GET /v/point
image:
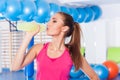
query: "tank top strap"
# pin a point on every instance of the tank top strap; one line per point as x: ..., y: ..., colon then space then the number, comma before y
x: 42, y: 50
x: 45, y: 45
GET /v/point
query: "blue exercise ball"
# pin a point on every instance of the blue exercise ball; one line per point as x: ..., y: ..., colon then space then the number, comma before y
x: 74, y: 13
x: 93, y: 65
x: 81, y: 78
x: 101, y: 71
x: 43, y: 10
x: 64, y: 9
x: 54, y: 8
x: 28, y: 10
x: 74, y: 79
x: 90, y: 14
x: 13, y: 10
x: 2, y: 5
x: 97, y: 11
x: 81, y: 15
x: 75, y: 74
x: 1, y: 16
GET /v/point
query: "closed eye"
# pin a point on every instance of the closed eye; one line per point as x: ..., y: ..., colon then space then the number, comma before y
x: 54, y: 21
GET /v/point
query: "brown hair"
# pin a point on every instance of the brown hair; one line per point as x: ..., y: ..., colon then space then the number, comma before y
x: 75, y: 43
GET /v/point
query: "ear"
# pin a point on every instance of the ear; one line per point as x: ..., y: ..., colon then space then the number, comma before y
x: 65, y: 28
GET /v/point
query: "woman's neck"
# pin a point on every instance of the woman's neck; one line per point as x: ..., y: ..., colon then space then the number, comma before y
x: 58, y: 44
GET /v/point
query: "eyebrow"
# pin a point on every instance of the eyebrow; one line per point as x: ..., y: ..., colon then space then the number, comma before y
x: 56, y: 19
x: 53, y: 18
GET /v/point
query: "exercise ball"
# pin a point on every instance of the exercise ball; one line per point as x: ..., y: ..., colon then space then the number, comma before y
x: 97, y: 11
x: 74, y: 13
x: 75, y: 74
x: 113, y: 69
x: 93, y: 65
x: 28, y: 10
x: 43, y: 10
x: 90, y: 14
x: 1, y: 16
x: 74, y: 79
x: 101, y: 71
x: 13, y: 10
x: 79, y: 78
x: 2, y: 5
x: 65, y: 9
x: 83, y: 76
x: 81, y: 15
x: 54, y: 8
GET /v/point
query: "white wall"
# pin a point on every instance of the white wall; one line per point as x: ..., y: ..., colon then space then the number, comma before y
x: 95, y: 41
x: 0, y: 56
x: 101, y: 34
x: 113, y: 33
x: 110, y: 11
x: 111, y: 15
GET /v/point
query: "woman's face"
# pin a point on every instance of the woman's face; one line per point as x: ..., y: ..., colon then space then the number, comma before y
x: 54, y: 26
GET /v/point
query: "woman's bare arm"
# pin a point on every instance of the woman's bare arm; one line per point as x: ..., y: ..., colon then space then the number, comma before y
x: 21, y: 59
x: 89, y: 71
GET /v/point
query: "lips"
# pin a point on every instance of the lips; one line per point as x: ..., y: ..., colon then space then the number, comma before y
x: 46, y: 28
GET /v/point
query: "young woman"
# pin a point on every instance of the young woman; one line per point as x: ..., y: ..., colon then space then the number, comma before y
x: 55, y: 58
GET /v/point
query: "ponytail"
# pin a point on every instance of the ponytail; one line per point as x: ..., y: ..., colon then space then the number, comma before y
x: 74, y: 46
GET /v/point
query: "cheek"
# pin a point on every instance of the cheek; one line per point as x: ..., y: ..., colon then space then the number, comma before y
x: 53, y: 30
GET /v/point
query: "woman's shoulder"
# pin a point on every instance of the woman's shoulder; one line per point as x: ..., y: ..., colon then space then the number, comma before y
x: 38, y: 47
x: 39, y: 44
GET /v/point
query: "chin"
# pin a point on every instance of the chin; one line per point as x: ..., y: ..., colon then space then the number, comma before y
x: 49, y: 34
